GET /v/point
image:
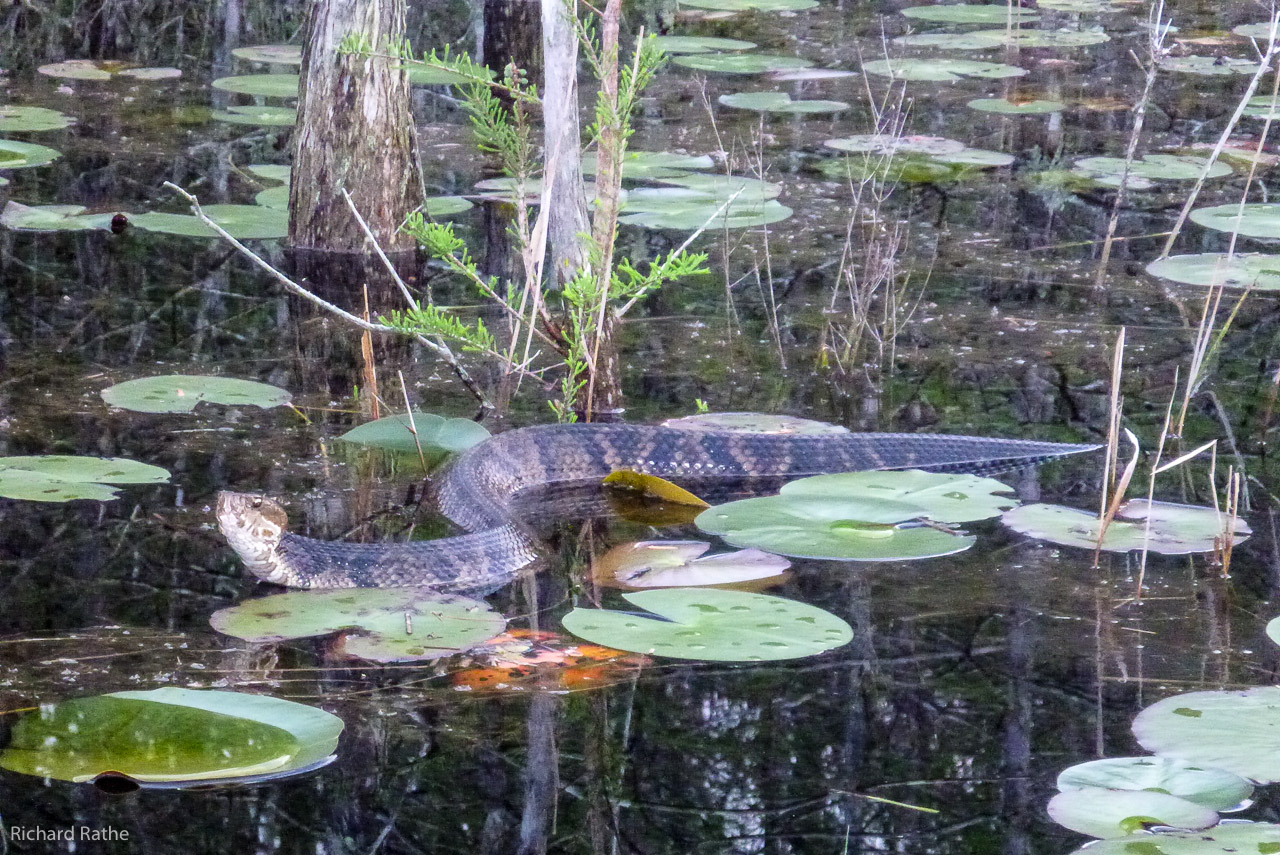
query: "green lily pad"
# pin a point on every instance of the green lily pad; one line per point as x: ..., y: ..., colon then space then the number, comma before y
x: 766, y: 423
x: 61, y: 478
x: 266, y: 85
x: 274, y: 54
x: 653, y: 164
x: 941, y: 497
x: 740, y: 63
x: 439, y: 207
x: 721, y: 188
x: 911, y: 149
x: 52, y: 218
x: 699, y: 44
x: 378, y: 624
x: 1256, y: 220
x: 681, y: 564
x: 987, y: 39
x: 967, y: 13
x: 1175, y: 529
x: 1119, y: 813
x: 715, y: 625
x: 1145, y: 170
x: 273, y: 197
x: 179, y: 393
x: 1254, y: 31
x: 80, y: 69
x: 434, y: 432
x: 1016, y: 108
x: 975, y: 40
x: 753, y: 5
x: 779, y: 102
x: 1215, y: 789
x: 1211, y: 66
x: 683, y: 215
x: 1241, y: 270
x: 1238, y: 731
x: 1262, y: 107
x: 429, y: 75
x: 1082, y: 6
x: 171, y: 735
x: 15, y: 119
x: 243, y: 222
x: 821, y: 528
x: 257, y: 115
x: 1233, y: 838
x: 151, y: 73
x: 20, y: 155
x: 271, y: 171
x: 935, y: 68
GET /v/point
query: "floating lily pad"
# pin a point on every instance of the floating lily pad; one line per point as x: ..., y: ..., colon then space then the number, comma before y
x: 740, y: 63
x: 967, y: 13
x: 681, y: 563
x: 15, y: 119
x: 1144, y: 170
x: 1175, y: 529
x: 653, y: 164
x: 1212, y: 66
x: 1255, y: 220
x: 976, y: 40
x: 754, y: 5
x: 257, y: 115
x: 779, y: 102
x: 1238, y: 731
x: 1082, y: 6
x: 987, y: 39
x: 439, y: 207
x: 699, y: 44
x: 1241, y: 270
x: 1016, y: 108
x: 81, y: 69
x: 935, y: 68
x: 1232, y: 838
x: 266, y: 85
x: 1262, y: 107
x: 1216, y: 789
x: 684, y: 215
x: 1254, y: 31
x: 723, y: 187
x: 273, y: 197
x: 938, y: 149
x: 395, y: 433
x: 270, y: 171
x: 653, y: 487
x: 171, y: 735
x: 20, y: 155
x: 766, y: 423
x: 941, y: 497
x: 243, y: 222
x: 378, y: 624
x: 151, y: 73
x: 1119, y: 813
x: 808, y: 74
x: 711, y: 624
x: 52, y: 218
x: 429, y: 75
x: 61, y: 478
x: 179, y: 393
x: 274, y: 54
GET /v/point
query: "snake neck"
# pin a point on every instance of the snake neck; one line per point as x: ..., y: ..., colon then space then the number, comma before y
x: 254, y: 526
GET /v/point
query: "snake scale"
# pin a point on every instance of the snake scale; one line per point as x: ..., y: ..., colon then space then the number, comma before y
x: 481, y: 493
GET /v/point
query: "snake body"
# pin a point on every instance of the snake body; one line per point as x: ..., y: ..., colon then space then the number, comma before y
x: 483, y: 489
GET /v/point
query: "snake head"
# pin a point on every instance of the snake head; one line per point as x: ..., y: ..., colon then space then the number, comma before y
x: 254, y: 526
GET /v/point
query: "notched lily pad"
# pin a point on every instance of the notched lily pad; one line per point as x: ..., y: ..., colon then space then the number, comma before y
x: 682, y: 563
x: 935, y: 68
x: 266, y: 85
x: 699, y: 44
x: 968, y: 13
x: 243, y: 222
x: 752, y: 5
x: 179, y: 393
x: 255, y: 114
x: 1235, y: 731
x: 779, y: 102
x: 378, y: 624
x: 1209, y: 66
x: 52, y: 218
x: 1215, y: 789
x: 740, y: 63
x: 1236, y: 838
x: 653, y: 164
x: 172, y: 736
x: 1240, y: 270
x: 396, y: 433
x: 1257, y: 220
x: 1033, y: 107
x: 711, y: 624
x: 62, y: 478
x: 941, y: 497
x: 16, y: 118
x: 273, y: 54
x: 1144, y: 171
x: 1175, y: 529
x: 20, y: 155
x: 1119, y: 813
x: 439, y: 207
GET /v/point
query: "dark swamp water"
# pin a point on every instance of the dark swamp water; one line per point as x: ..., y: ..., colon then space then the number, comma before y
x: 971, y: 681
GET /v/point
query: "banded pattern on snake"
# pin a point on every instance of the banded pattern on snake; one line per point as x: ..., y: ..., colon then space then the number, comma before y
x: 480, y: 493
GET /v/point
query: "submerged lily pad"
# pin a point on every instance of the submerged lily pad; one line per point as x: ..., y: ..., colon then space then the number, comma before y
x: 740, y: 63
x: 1119, y: 813
x: 1233, y: 838
x: 779, y: 102
x: 1241, y: 270
x: 52, y: 218
x: 681, y: 563
x: 21, y: 118
x: 395, y: 433
x: 255, y: 114
x: 266, y: 85
x: 1212, y: 66
x: 699, y: 44
x: 935, y: 68
x: 715, y: 625
x: 1256, y: 220
x: 378, y: 624
x: 62, y: 478
x: 20, y: 155
x: 1235, y: 731
x: 274, y: 54
x: 1175, y: 529
x: 243, y: 222
x: 179, y: 393
x: 171, y: 735
x: 1216, y: 789
x: 1016, y: 108
x: 968, y: 13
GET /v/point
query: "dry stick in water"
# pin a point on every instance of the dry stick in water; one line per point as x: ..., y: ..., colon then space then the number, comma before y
x: 1113, y: 427
x: 1118, y: 496
x: 413, y: 426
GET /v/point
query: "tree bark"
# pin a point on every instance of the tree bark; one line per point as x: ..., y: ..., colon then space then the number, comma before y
x: 354, y: 132
x: 567, y: 219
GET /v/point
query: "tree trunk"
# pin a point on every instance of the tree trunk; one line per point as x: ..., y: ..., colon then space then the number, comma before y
x: 354, y: 132
x: 567, y: 221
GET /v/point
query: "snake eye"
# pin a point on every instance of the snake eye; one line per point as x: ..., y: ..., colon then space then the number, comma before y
x: 257, y: 501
